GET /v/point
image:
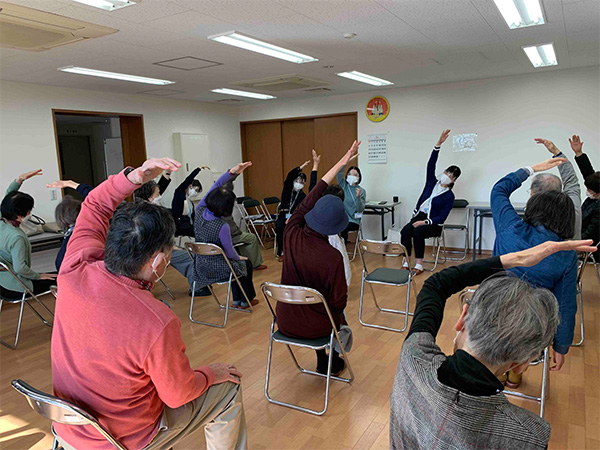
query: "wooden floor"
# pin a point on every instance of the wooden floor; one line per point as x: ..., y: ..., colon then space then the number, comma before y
x: 358, y: 414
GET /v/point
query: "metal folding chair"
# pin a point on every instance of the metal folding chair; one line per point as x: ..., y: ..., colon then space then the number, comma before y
x: 386, y: 276
x: 582, y: 264
x: 358, y: 235
x: 24, y: 300
x: 438, y: 243
x: 269, y: 201
x: 61, y: 411
x: 459, y: 203
x: 544, y: 359
x: 199, y: 248
x: 167, y: 289
x: 257, y: 220
x: 296, y: 295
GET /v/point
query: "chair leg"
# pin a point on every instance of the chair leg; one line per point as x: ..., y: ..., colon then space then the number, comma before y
x: 385, y: 310
x: 545, y: 385
x: 167, y: 289
x: 14, y: 346
x: 226, y: 307
x: 581, y: 325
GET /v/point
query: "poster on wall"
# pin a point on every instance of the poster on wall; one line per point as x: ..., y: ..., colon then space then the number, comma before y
x: 377, y: 148
x: 464, y: 142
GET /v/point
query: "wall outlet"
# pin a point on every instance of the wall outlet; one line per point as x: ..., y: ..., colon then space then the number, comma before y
x: 53, y: 194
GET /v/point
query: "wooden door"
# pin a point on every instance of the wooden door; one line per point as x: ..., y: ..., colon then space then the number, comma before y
x: 133, y: 140
x: 333, y: 137
x: 261, y: 144
x: 298, y: 140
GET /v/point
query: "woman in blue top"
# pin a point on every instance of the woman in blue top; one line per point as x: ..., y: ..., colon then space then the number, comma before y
x: 355, y: 198
x: 433, y: 207
x: 549, y: 216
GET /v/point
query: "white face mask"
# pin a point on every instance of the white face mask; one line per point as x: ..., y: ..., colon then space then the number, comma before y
x: 193, y: 192
x: 352, y: 179
x: 158, y: 277
x: 445, y: 179
x: 156, y: 200
x: 590, y: 195
x: 298, y: 186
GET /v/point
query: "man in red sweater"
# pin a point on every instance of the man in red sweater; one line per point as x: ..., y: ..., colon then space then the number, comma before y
x: 116, y: 350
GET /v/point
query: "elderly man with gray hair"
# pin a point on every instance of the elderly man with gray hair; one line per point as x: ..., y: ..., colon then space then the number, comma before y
x: 456, y: 401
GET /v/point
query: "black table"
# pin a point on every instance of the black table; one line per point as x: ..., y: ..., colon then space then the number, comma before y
x: 381, y: 211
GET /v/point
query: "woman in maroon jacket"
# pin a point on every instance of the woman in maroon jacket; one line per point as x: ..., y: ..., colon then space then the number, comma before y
x: 310, y: 261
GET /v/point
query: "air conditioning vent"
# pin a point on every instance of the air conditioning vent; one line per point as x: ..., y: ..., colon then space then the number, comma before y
x: 282, y: 83
x: 319, y: 89
x: 35, y: 31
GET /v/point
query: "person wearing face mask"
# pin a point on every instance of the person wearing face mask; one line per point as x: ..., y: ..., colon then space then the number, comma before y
x: 292, y: 195
x: 590, y: 209
x: 15, y: 247
x: 183, y: 193
x: 355, y: 198
x: 433, y: 207
x: 147, y: 394
x: 152, y: 191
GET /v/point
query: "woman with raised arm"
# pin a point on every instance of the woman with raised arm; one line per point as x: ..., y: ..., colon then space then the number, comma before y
x: 355, y: 198
x: 310, y: 261
x: 15, y: 248
x: 211, y: 228
x: 433, y: 207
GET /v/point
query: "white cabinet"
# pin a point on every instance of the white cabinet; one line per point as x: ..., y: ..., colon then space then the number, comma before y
x: 193, y: 150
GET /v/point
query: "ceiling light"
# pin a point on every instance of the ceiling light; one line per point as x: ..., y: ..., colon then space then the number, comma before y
x: 109, y: 5
x: 246, y: 42
x: 521, y: 13
x: 113, y: 75
x: 541, y: 55
x: 243, y: 93
x: 364, y: 78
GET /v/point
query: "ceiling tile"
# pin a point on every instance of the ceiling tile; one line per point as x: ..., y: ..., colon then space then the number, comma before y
x: 242, y: 12
x: 582, y: 16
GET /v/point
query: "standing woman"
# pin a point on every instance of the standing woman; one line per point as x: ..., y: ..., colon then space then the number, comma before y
x: 292, y: 195
x: 434, y: 206
x: 354, y: 198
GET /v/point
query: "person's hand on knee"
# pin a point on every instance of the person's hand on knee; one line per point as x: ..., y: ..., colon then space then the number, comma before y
x: 226, y: 372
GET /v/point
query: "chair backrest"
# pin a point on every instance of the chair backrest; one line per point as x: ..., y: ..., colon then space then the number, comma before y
x: 381, y: 248
x: 251, y: 203
x: 201, y: 248
x: 460, y: 203
x: 240, y: 200
x: 4, y: 267
x: 294, y: 295
x: 61, y: 411
x: 271, y: 200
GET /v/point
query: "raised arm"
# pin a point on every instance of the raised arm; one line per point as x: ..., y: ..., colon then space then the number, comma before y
x: 164, y: 182
x: 315, y: 170
x: 82, y: 188
x: 435, y: 154
x: 231, y: 173
x: 179, y: 194
x: 582, y: 160
x: 18, y: 182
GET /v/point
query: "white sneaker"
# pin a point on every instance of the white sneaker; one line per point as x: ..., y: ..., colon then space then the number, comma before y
x: 418, y: 269
x: 405, y: 264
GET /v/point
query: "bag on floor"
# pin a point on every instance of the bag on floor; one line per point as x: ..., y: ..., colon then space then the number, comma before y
x: 33, y: 225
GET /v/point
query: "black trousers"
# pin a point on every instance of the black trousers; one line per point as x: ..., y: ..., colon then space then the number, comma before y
x: 351, y: 227
x: 279, y: 229
x: 410, y: 235
x: 39, y: 286
x: 247, y: 285
x: 184, y: 227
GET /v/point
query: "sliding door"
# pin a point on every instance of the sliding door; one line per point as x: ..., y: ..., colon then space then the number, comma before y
x: 261, y: 144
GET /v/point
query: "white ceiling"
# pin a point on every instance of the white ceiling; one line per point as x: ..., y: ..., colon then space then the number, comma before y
x: 409, y: 42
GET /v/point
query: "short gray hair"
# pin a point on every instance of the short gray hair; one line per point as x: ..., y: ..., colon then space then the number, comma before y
x: 510, y: 321
x: 545, y: 182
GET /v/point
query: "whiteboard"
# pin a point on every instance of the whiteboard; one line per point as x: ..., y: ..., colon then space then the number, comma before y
x: 113, y: 156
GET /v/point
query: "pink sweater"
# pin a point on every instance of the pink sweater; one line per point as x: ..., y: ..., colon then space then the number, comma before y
x: 116, y: 350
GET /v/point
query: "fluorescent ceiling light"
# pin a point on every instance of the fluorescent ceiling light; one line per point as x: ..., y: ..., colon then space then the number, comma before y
x: 113, y: 75
x: 364, y: 78
x: 521, y: 13
x: 541, y: 55
x: 248, y: 43
x: 243, y: 93
x: 108, y: 5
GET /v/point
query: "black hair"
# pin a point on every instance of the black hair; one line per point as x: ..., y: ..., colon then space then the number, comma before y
x: 220, y: 201
x: 137, y: 231
x: 197, y: 184
x: 334, y: 189
x: 145, y: 191
x: 592, y: 182
x: 455, y: 172
x: 16, y: 204
x: 554, y: 211
x: 358, y: 170
x: 67, y: 211
x: 302, y: 175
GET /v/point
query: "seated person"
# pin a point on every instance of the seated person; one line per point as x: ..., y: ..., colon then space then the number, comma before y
x: 211, y: 228
x: 549, y: 216
x: 590, y: 220
x: 292, y: 195
x: 152, y: 191
x: 310, y: 261
x: 66, y: 212
x: 116, y: 349
x: 355, y: 198
x: 15, y: 248
x: 189, y: 188
x: 433, y: 207
x: 456, y: 401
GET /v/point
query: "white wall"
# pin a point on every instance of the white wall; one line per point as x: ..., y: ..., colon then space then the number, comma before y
x: 27, y: 139
x: 507, y: 113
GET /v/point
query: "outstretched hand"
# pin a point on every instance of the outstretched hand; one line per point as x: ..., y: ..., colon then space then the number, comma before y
x: 576, y: 145
x: 151, y: 169
x: 240, y: 168
x: 443, y: 138
x: 28, y: 175
x: 548, y: 164
x: 351, y: 153
x: 548, y: 144
x: 316, y: 159
x: 533, y: 255
x: 61, y: 184
x: 306, y: 163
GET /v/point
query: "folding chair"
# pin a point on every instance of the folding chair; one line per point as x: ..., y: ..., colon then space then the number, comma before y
x: 386, y: 276
x: 544, y: 359
x: 582, y: 264
x: 438, y: 243
x: 296, y: 295
x: 256, y: 220
x: 358, y: 236
x: 459, y: 203
x: 267, y: 202
x: 61, y: 411
x: 24, y: 300
x: 199, y: 248
x: 167, y: 289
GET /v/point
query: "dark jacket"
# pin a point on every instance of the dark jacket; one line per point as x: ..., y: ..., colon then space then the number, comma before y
x: 290, y: 199
x: 179, y: 196
x: 440, y: 205
x: 163, y: 184
x: 590, y: 210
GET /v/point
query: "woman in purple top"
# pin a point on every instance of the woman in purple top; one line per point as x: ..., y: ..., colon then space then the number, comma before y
x: 210, y: 228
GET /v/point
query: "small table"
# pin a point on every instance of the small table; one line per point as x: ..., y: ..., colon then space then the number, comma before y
x: 480, y: 211
x: 381, y: 211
